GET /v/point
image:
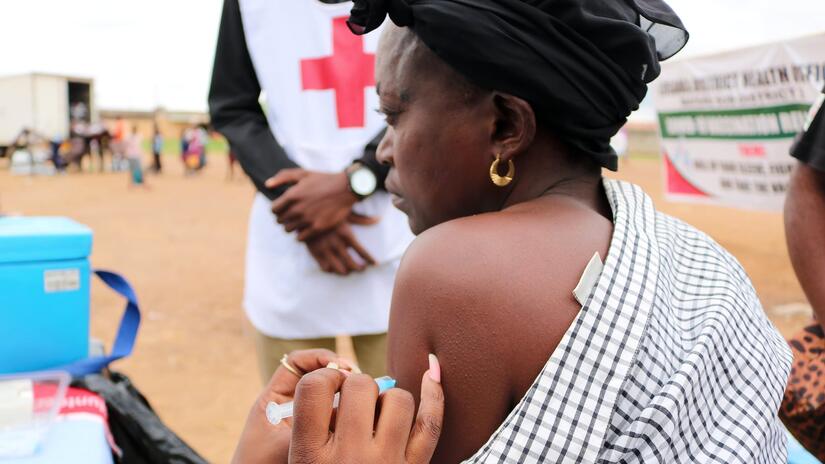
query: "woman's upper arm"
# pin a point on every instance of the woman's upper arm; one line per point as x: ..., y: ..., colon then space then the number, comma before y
x: 441, y: 306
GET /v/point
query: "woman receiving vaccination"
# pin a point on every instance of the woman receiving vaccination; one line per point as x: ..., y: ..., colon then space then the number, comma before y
x: 572, y: 321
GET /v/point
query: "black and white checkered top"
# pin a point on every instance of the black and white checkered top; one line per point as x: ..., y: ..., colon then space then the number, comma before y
x: 671, y: 359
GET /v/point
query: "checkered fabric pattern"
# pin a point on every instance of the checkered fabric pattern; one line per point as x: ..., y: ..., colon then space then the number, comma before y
x: 671, y: 359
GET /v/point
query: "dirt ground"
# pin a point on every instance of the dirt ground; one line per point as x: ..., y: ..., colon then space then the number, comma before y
x: 181, y: 244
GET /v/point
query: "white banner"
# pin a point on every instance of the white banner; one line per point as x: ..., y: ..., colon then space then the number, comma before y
x: 727, y: 121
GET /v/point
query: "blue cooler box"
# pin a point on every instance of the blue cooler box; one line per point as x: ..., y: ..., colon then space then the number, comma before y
x: 44, y: 292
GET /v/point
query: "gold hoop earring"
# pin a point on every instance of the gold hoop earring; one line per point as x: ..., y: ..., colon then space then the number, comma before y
x: 502, y: 181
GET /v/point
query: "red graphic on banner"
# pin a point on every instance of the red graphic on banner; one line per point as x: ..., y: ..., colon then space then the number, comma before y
x: 755, y: 150
x: 348, y: 72
x: 676, y: 182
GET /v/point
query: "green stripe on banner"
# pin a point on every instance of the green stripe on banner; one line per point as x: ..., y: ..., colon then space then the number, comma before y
x: 772, y: 122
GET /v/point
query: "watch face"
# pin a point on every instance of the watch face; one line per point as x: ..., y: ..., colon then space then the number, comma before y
x: 363, y: 182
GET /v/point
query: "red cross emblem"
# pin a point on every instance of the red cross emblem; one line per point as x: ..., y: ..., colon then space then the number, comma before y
x: 348, y: 71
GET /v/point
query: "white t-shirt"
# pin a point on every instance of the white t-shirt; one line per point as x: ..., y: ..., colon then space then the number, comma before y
x: 318, y: 81
x: 133, y: 147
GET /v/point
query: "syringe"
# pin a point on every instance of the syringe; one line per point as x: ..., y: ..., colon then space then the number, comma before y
x: 275, y: 412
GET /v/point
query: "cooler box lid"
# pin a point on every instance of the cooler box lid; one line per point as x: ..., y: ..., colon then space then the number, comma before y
x: 31, y: 239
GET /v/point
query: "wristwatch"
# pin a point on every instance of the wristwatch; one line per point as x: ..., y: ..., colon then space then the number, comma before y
x: 362, y: 181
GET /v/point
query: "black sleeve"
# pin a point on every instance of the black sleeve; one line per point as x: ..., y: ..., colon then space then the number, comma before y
x: 234, y: 109
x: 369, y: 160
x: 809, y: 146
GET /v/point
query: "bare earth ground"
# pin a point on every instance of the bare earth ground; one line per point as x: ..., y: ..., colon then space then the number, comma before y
x: 181, y: 244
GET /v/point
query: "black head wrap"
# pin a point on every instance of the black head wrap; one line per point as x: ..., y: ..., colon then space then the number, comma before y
x: 583, y: 65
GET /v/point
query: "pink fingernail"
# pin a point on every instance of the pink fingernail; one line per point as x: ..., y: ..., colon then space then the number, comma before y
x: 435, y: 368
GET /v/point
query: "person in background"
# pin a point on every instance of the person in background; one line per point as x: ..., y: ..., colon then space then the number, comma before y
x: 79, y: 112
x: 185, y: 139
x: 324, y: 242
x: 55, y: 156
x: 119, y: 134
x: 202, y: 134
x: 230, y: 164
x: 23, y: 142
x: 803, y: 408
x: 195, y: 145
x: 100, y: 143
x: 157, y: 148
x: 133, y: 150
x: 77, y: 146
x: 805, y: 210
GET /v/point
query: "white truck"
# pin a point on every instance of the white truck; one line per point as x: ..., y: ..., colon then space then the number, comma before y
x: 43, y: 103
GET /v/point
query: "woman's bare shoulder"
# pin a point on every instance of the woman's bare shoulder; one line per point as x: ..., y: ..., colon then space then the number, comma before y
x: 491, y: 296
x: 484, y: 254
x: 452, y: 253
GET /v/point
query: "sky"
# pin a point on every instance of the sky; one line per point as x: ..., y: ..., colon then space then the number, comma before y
x: 149, y: 53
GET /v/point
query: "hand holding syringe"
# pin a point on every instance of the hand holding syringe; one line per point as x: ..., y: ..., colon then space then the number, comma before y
x: 275, y: 412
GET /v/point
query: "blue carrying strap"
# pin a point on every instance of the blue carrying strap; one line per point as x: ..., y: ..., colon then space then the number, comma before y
x: 126, y: 334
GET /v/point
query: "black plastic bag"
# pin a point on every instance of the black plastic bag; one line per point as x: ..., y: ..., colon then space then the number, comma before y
x: 137, y: 430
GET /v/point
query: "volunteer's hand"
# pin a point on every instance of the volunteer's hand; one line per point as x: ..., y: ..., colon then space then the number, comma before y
x: 316, y: 202
x: 262, y: 442
x: 331, y: 250
x: 366, y: 428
